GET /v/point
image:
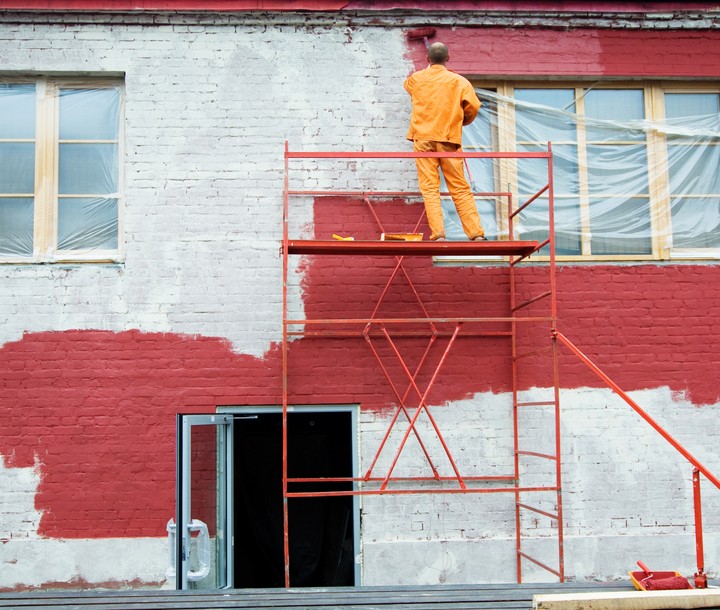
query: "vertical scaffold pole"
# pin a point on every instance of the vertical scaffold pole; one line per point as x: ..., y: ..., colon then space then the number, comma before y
x: 700, y: 576
x: 556, y: 368
x: 286, y: 543
x: 516, y: 432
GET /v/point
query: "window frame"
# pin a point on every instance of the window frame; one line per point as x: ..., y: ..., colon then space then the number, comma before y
x: 46, y: 173
x: 659, y: 194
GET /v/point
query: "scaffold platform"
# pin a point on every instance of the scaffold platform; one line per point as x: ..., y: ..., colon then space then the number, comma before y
x: 413, y: 248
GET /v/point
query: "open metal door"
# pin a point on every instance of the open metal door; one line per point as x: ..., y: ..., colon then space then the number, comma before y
x: 203, y: 542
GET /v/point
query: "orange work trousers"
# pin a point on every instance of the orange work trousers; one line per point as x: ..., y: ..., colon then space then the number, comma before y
x: 454, y: 172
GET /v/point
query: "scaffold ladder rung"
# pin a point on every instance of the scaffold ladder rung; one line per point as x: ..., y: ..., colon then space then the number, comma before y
x: 540, y: 563
x: 539, y: 511
x: 545, y: 456
x: 535, y: 299
x: 537, y: 403
x: 535, y: 352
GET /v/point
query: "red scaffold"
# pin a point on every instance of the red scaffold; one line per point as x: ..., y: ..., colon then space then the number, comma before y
x: 376, y: 329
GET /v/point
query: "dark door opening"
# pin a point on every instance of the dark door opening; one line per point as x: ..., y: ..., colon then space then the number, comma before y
x: 321, y: 529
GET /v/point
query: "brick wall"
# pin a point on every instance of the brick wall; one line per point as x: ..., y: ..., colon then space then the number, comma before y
x: 508, y: 51
x: 207, y: 112
x: 95, y: 360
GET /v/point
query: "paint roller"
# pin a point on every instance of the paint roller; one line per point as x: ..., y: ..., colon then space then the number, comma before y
x: 421, y: 34
x: 661, y: 581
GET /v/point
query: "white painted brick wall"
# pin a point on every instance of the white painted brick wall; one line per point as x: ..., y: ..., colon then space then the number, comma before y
x: 17, y: 502
x: 627, y: 494
x: 207, y: 111
x: 80, y: 563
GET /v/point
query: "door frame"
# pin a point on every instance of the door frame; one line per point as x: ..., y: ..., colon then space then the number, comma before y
x: 354, y: 411
x: 183, y: 487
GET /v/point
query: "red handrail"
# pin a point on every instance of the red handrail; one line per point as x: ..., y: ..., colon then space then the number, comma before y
x: 658, y: 428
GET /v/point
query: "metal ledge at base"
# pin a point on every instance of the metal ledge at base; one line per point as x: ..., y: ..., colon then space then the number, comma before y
x: 634, y: 600
x: 413, y: 248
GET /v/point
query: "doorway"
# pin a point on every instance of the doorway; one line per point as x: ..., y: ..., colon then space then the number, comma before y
x: 323, y: 531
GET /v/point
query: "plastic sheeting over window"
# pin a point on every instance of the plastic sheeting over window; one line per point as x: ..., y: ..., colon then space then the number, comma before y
x: 693, y: 160
x: 88, y: 169
x: 626, y: 184
x: 84, y: 203
x: 17, y: 169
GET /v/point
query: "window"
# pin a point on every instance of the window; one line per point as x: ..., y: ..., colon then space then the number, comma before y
x: 60, y: 151
x: 694, y: 179
x: 635, y: 166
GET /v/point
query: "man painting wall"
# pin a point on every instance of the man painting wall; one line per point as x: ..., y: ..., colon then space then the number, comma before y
x: 442, y: 103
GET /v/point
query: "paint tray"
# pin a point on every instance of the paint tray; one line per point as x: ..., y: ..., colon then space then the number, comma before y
x: 638, y: 577
x: 401, y: 237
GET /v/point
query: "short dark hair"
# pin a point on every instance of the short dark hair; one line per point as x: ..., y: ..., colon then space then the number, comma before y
x: 437, y: 53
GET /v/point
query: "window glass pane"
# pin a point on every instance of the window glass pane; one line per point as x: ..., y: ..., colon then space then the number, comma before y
x: 533, y: 225
x: 615, y: 104
x: 620, y: 226
x: 696, y: 222
x: 555, y: 98
x: 16, y: 226
x: 17, y: 112
x: 89, y: 114
x: 617, y: 169
x: 690, y: 104
x: 481, y: 133
x: 88, y: 169
x: 17, y: 168
x: 615, y: 114
x: 537, y: 124
x: 87, y: 223
x: 694, y: 169
x: 533, y: 173
x: 693, y: 161
x: 453, y: 227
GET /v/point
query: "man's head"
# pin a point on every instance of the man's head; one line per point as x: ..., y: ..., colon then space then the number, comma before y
x: 438, y: 53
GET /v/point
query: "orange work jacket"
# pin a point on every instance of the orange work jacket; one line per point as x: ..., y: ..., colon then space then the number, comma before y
x: 442, y: 102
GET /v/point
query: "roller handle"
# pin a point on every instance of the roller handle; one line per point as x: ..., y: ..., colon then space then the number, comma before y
x: 644, y: 568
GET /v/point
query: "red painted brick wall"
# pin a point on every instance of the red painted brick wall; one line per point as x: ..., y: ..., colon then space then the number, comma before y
x: 507, y: 52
